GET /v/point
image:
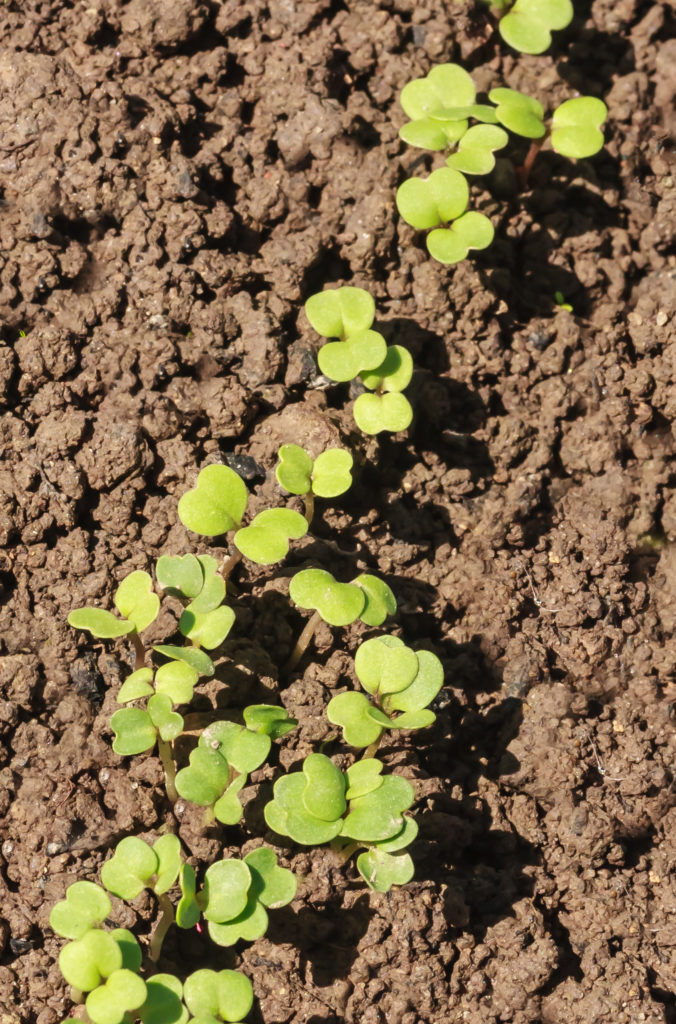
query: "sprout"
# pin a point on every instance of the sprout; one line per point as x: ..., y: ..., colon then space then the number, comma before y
x: 217, y: 996
x: 343, y: 360
x: 518, y: 112
x: 398, y: 679
x: 340, y: 312
x: 528, y: 26
x: 358, y: 808
x: 327, y: 476
x: 340, y: 604
x: 266, y: 539
x: 135, y: 601
x: 439, y: 199
x: 123, y: 991
x: 474, y: 154
x: 217, y: 504
x: 375, y: 413
x: 136, y: 866
x: 236, y: 901
x: 164, y: 1001
x: 137, y: 730
x: 429, y: 102
x: 576, y: 127
x: 86, y: 905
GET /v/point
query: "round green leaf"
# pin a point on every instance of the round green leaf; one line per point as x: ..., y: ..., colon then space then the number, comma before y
x: 198, y: 660
x: 527, y: 26
x: 576, y: 127
x: 379, y: 815
x: 380, y: 601
x: 324, y: 794
x: 428, y: 202
x: 331, y: 474
x: 87, y: 961
x: 339, y: 604
x: 177, y: 680
x: 382, y: 870
x: 294, y: 469
x: 226, y: 888
x: 273, y: 885
x: 135, y: 600
x: 286, y: 814
x: 163, y: 1003
x: 206, y: 777
x: 216, y: 504
x: 423, y: 688
x: 425, y: 133
x: 269, y: 719
x: 212, y: 591
x: 402, y: 839
x: 340, y: 312
x: 266, y: 540
x: 132, y: 957
x: 363, y: 777
x: 345, y: 360
x: 475, y: 150
x: 243, y: 748
x: 181, y: 574
x: 122, y: 992
x: 250, y: 925
x: 450, y: 245
x: 519, y: 113
x: 168, y: 852
x: 130, y: 869
x: 394, y: 373
x: 384, y: 665
x: 375, y: 413
x: 446, y: 85
x: 350, y: 711
x: 134, y: 731
x: 227, y: 995
x: 168, y: 723
x: 85, y: 906
x: 210, y: 629
x: 99, y: 623
x: 136, y: 686
x: 228, y: 809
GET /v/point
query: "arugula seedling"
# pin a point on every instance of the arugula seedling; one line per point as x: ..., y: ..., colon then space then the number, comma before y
x: 266, y: 539
x: 85, y: 907
x: 441, y: 199
x: 216, y: 504
x: 340, y: 312
x: 344, y: 360
x: 576, y: 127
x: 436, y: 105
x: 164, y: 1001
x: 399, y: 680
x: 387, y: 409
x: 327, y: 476
x: 217, y: 996
x: 219, y: 766
x: 136, y: 603
x: 360, y: 807
x: 527, y: 25
x: 474, y: 154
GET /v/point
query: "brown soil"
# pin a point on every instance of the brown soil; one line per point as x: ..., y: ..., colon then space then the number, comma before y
x: 176, y: 179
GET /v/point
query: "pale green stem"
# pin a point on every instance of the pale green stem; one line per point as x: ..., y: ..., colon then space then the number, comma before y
x: 345, y: 852
x: 209, y: 817
x: 163, y: 925
x: 371, y: 751
x: 303, y: 642
x: 76, y: 995
x: 165, y: 752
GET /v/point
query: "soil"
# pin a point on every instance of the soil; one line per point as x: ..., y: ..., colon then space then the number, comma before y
x: 176, y: 179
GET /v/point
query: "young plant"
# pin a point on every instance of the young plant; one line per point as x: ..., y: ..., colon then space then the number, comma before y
x: 527, y: 25
x: 397, y: 679
x: 386, y: 409
x: 327, y: 476
x: 358, y: 808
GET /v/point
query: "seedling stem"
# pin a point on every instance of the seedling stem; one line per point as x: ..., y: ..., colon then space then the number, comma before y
x: 139, y: 651
x: 166, y: 757
x: 303, y: 641
x: 163, y: 925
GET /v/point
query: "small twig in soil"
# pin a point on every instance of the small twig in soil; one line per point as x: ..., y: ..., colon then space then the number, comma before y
x: 536, y: 600
x: 603, y: 772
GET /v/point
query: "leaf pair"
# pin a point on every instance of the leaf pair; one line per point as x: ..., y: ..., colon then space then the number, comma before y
x: 346, y: 314
x: 441, y: 199
x: 134, y: 600
x: 205, y: 621
x: 327, y: 476
x: 529, y: 24
x: 388, y: 409
x: 135, y: 866
x: 366, y: 598
x: 400, y: 679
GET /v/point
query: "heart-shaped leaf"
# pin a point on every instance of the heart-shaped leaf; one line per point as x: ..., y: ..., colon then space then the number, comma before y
x: 350, y: 711
x: 380, y: 601
x: 427, y: 202
x: 168, y: 852
x: 379, y: 815
x: 132, y: 957
x: 382, y: 870
x: 331, y: 474
x: 101, y: 624
x: 177, y: 680
x: 168, y: 723
x: 324, y: 794
x: 136, y: 601
x: 385, y: 665
x: 375, y: 413
x: 228, y: 809
x: 134, y: 731
x: 226, y: 888
x: 269, y: 719
x: 424, y: 100
x: 188, y: 911
x: 163, y: 1003
x: 266, y: 540
x: 520, y: 113
x: 209, y: 629
x: 286, y: 814
x: 394, y: 373
x: 294, y: 469
x: 223, y: 995
x: 87, y: 961
x: 85, y: 906
x: 475, y: 149
x: 345, y: 360
x: 451, y: 245
x: 122, y: 992
x: 206, y: 777
x: 340, y: 312
x: 528, y: 25
x: 339, y: 604
x: 131, y: 868
x: 198, y: 660
x: 422, y: 690
x: 363, y: 777
x: 180, y: 574
x: 216, y: 504
x: 244, y: 749
x: 136, y: 686
x: 273, y: 885
x: 250, y: 925
x: 576, y: 127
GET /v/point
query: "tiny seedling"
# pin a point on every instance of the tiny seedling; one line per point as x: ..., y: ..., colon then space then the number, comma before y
x: 340, y: 312
x: 440, y: 202
x: 213, y: 996
x: 387, y: 409
x: 397, y: 679
x: 527, y: 25
x: 327, y: 476
x: 360, y: 807
x: 134, y: 600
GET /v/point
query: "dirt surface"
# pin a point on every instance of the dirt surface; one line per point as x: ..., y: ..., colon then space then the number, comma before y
x: 176, y: 179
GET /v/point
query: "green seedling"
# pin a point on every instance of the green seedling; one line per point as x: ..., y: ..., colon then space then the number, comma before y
x: 518, y: 112
x: 121, y: 993
x: 327, y: 476
x: 441, y: 199
x: 136, y: 603
x: 560, y: 301
x: 212, y: 996
x: 397, y: 679
x: 339, y: 604
x: 205, y: 621
x: 85, y: 907
x: 266, y: 539
x: 344, y: 360
x: 387, y: 409
x: 136, y: 866
x: 137, y: 730
x: 474, y: 154
x: 527, y: 25
x: 340, y: 312
x: 436, y: 105
x: 360, y: 807
x: 164, y: 1001
x: 576, y: 127
x: 217, y: 504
